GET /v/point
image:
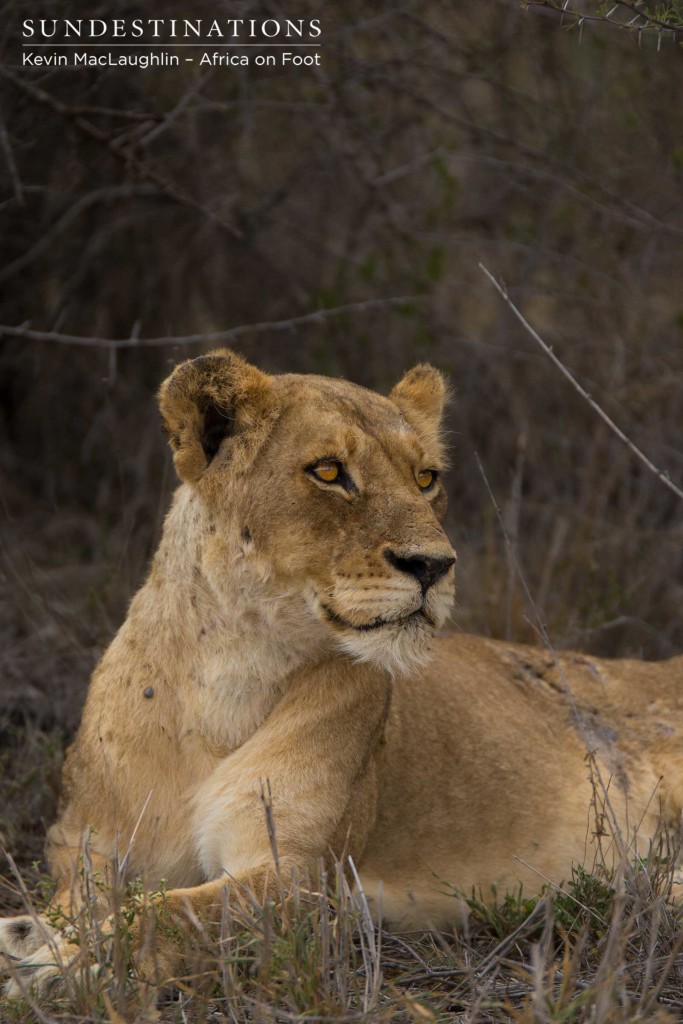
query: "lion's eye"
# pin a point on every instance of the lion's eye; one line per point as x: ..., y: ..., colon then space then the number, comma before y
x: 426, y: 479
x: 328, y: 472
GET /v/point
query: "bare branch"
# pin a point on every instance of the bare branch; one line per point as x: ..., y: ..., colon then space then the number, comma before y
x: 145, y: 135
x: 141, y: 168
x: 6, y: 148
x: 212, y: 338
x: 660, y: 474
x: 113, y: 112
x: 102, y: 195
x: 641, y: 220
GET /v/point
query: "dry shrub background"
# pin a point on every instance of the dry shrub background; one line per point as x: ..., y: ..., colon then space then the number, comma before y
x: 174, y: 202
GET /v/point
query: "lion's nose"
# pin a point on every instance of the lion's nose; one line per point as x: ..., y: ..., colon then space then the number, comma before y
x: 427, y: 569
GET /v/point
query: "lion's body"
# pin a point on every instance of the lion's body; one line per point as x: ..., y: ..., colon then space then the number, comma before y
x: 480, y: 774
x: 485, y: 778
x: 281, y: 642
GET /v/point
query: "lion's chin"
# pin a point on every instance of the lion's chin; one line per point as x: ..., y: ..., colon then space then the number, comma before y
x: 400, y: 648
x: 398, y: 641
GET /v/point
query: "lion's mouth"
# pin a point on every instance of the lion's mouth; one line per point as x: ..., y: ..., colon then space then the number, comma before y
x: 376, y: 623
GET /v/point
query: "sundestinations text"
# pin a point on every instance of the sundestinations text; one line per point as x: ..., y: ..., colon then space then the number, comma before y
x: 167, y: 29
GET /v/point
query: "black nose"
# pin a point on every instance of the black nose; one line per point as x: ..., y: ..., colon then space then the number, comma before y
x: 425, y: 568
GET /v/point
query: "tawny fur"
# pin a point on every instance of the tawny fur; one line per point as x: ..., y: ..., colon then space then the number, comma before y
x: 275, y: 640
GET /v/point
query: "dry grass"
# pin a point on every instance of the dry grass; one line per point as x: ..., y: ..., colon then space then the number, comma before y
x: 596, y: 949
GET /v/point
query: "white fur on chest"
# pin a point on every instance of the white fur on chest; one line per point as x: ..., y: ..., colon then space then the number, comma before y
x: 235, y: 695
x: 260, y: 637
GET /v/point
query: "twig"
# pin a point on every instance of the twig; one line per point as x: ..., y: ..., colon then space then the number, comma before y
x: 493, y: 957
x: 214, y: 337
x: 125, y: 115
x: 6, y: 148
x: 565, y: 892
x: 101, y: 195
x: 542, y: 631
x: 169, y: 118
x: 124, y: 863
x: 147, y: 173
x: 664, y: 477
x: 636, y: 217
x: 267, y: 804
x: 514, y: 562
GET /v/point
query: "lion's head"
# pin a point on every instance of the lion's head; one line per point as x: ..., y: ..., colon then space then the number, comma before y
x: 329, y: 493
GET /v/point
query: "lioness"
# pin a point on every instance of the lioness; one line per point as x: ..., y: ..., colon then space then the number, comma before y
x: 284, y: 634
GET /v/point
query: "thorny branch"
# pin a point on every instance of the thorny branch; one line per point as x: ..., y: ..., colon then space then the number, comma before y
x: 665, y: 19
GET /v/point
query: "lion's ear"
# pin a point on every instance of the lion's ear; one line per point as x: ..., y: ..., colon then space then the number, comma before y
x: 214, y: 399
x: 421, y: 396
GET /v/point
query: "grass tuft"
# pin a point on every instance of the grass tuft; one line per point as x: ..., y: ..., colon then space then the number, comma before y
x: 603, y: 947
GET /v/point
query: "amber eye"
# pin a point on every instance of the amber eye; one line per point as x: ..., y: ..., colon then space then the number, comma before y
x: 328, y: 472
x: 425, y: 479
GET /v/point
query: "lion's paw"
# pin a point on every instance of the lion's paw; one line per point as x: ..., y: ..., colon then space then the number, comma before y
x: 35, y: 956
x: 22, y: 936
x: 44, y: 974
x: 39, y: 974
